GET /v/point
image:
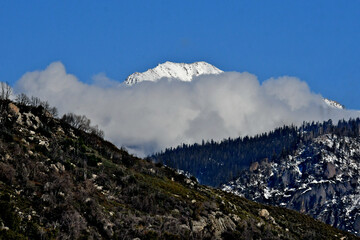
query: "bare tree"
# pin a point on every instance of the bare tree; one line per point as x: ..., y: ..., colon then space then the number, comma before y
x: 6, y: 91
x: 23, y: 99
x: 53, y: 111
x: 35, y: 101
x: 81, y: 122
x: 95, y: 130
x: 77, y: 121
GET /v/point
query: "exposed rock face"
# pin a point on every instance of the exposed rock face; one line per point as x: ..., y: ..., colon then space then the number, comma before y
x: 13, y: 109
x: 254, y: 166
x: 320, y: 179
x: 264, y: 213
x: 198, y: 226
x: 32, y: 121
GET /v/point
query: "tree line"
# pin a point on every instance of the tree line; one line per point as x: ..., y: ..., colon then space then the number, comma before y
x: 214, y: 163
x: 80, y: 122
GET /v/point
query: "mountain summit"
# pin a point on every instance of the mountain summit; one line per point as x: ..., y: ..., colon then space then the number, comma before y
x: 186, y: 72
x: 182, y: 71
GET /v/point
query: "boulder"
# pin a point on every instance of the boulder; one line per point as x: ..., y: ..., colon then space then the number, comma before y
x: 330, y: 170
x: 264, y: 213
x: 198, y: 226
x: 254, y: 166
x: 13, y: 109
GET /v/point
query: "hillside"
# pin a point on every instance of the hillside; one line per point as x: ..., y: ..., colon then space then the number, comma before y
x: 313, y: 169
x: 58, y: 182
x: 320, y: 179
x: 214, y: 163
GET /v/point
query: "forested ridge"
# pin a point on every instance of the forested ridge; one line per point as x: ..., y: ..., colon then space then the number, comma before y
x: 214, y: 163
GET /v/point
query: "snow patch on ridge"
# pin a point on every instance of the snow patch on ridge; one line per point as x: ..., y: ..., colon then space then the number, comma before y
x: 334, y: 104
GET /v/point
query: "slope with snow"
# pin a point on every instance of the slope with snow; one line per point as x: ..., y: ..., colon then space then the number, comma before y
x: 181, y: 71
x: 321, y: 179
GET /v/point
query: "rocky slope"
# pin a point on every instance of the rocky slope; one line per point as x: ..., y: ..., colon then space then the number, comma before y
x: 58, y: 182
x: 321, y: 179
x: 181, y: 71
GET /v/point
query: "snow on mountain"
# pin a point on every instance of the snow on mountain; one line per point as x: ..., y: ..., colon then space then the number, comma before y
x: 333, y: 104
x: 320, y: 179
x: 182, y: 71
x: 186, y: 72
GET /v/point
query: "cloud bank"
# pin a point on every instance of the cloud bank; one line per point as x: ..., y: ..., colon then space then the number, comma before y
x: 151, y: 116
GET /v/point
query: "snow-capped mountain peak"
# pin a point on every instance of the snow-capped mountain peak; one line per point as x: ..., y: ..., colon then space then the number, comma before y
x: 181, y: 71
x: 186, y: 72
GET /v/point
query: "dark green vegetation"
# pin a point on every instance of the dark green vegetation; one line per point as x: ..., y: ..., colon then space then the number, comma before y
x: 58, y: 182
x: 214, y: 163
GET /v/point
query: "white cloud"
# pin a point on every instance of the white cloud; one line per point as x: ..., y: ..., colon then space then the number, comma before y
x: 150, y: 116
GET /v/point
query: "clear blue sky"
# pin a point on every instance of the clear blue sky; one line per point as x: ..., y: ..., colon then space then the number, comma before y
x: 317, y: 41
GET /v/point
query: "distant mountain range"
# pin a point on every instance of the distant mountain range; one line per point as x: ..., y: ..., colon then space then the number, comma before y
x: 186, y: 72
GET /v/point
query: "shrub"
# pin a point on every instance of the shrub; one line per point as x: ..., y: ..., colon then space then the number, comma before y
x: 7, y: 173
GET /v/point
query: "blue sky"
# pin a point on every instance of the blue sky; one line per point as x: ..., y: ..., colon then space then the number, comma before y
x: 317, y: 41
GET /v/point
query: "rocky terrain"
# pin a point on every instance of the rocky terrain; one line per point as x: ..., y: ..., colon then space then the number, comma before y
x: 320, y: 178
x: 59, y: 182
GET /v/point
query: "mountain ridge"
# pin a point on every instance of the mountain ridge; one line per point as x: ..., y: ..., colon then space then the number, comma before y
x: 186, y: 72
x: 181, y: 71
